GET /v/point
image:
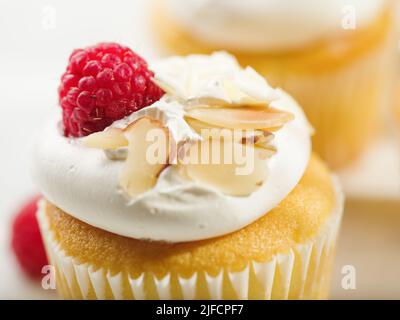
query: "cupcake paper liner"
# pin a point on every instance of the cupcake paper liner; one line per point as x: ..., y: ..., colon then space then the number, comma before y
x: 303, y: 272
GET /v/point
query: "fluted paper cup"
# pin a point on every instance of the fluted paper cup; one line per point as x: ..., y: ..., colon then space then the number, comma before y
x: 301, y: 273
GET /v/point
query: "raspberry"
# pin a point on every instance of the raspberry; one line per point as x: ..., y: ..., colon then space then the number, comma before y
x: 102, y: 84
x: 26, y: 240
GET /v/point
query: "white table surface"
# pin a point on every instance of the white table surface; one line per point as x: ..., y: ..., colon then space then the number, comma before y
x: 36, y: 38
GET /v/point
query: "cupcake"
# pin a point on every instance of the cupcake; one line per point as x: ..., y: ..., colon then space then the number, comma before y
x: 396, y: 105
x: 335, y: 57
x: 206, y: 189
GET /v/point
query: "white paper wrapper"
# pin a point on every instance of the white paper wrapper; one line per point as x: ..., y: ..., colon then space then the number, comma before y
x: 276, y: 277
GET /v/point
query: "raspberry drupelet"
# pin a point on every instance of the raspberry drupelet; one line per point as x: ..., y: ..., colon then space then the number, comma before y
x: 102, y: 84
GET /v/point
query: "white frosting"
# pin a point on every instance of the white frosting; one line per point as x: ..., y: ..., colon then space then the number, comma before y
x: 85, y: 183
x: 268, y: 24
x: 216, y: 79
x: 170, y: 113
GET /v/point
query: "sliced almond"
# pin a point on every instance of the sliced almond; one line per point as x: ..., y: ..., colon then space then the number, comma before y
x: 149, y: 148
x: 265, y: 152
x: 248, y: 136
x: 111, y: 138
x: 263, y: 137
x: 198, y: 125
x: 241, y: 118
x: 142, y: 166
x: 230, y: 177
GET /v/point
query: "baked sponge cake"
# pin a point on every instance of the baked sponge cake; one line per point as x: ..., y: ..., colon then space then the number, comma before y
x: 209, y: 191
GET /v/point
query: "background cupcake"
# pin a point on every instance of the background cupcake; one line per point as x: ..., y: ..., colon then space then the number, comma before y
x: 335, y: 57
x: 117, y: 226
x: 396, y: 105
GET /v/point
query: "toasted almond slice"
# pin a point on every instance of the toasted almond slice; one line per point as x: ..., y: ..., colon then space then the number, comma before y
x: 275, y: 129
x: 241, y: 118
x: 198, y: 125
x: 265, y: 151
x: 148, y: 154
x: 111, y: 138
x: 260, y: 137
x: 239, y: 177
x: 244, y: 136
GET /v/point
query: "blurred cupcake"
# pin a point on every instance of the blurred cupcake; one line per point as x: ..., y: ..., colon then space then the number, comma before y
x: 235, y: 207
x: 396, y: 106
x: 335, y: 57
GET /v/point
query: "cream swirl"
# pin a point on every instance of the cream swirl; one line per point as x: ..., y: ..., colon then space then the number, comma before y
x: 84, y: 183
x: 258, y: 25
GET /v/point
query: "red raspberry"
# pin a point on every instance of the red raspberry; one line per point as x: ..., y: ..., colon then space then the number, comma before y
x: 26, y: 240
x: 104, y: 83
